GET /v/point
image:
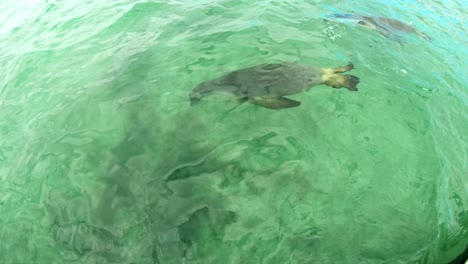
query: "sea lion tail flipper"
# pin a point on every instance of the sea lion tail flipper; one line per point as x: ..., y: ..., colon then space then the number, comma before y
x: 338, y: 81
x: 274, y: 103
x: 342, y: 69
x: 350, y: 82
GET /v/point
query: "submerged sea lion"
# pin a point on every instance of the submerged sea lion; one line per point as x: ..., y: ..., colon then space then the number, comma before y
x: 388, y: 27
x: 267, y: 84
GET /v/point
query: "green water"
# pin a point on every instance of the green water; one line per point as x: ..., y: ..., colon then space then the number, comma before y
x: 102, y: 160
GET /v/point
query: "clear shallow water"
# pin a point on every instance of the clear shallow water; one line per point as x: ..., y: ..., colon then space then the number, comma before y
x: 103, y: 161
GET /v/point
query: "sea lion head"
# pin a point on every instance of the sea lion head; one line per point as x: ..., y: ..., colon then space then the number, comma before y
x: 367, y: 24
x: 195, y: 97
x: 202, y: 90
x: 217, y: 86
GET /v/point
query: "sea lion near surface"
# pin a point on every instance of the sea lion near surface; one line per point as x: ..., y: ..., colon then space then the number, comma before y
x: 390, y: 28
x: 267, y: 85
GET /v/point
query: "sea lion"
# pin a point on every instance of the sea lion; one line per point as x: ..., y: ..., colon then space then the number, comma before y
x: 266, y: 84
x: 390, y: 28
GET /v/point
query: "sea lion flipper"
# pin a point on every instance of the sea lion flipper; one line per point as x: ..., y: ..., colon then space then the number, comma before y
x: 341, y: 81
x: 392, y: 36
x: 274, y: 103
x: 342, y: 69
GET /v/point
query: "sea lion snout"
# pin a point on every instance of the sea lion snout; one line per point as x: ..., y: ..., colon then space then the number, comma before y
x: 195, y: 98
x: 210, y: 87
x: 198, y: 92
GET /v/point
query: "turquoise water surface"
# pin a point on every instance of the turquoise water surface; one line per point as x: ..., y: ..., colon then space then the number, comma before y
x: 102, y: 160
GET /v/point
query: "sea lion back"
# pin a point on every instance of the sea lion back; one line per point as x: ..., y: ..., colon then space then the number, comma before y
x: 276, y: 79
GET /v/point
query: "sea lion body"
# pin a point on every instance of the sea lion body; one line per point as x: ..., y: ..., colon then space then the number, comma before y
x: 388, y: 27
x: 267, y: 84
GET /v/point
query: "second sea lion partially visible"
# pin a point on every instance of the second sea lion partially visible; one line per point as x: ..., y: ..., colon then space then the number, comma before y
x: 267, y: 85
x: 388, y: 27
